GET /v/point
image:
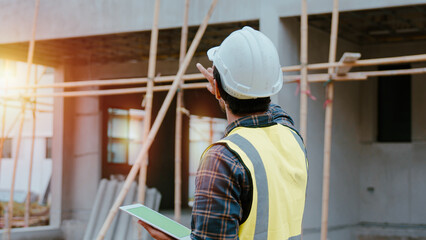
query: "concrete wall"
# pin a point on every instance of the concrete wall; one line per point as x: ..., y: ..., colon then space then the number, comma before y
x: 63, y: 19
x: 394, y: 170
x: 344, y: 175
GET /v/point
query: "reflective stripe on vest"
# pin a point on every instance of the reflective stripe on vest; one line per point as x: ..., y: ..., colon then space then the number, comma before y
x: 261, y: 230
x: 275, y: 157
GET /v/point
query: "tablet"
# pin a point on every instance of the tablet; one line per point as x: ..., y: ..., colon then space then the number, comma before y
x: 158, y: 221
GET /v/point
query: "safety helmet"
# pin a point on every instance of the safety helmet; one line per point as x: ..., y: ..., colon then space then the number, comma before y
x: 248, y: 64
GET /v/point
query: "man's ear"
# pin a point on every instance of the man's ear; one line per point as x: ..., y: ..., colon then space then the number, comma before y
x: 216, y: 90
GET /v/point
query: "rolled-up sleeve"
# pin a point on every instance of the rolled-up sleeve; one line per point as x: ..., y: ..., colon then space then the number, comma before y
x: 217, y: 210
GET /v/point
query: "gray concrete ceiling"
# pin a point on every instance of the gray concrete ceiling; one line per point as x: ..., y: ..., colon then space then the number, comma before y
x: 385, y: 25
x: 119, y: 48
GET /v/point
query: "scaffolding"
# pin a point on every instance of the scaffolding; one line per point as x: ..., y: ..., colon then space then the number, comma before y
x: 336, y: 71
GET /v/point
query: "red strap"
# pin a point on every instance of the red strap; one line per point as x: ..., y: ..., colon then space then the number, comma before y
x: 298, y: 88
x: 328, y: 101
x: 308, y: 92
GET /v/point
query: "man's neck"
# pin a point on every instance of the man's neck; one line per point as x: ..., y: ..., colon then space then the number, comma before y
x: 232, y: 117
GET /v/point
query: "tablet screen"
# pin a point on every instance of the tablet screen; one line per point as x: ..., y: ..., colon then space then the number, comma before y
x: 157, y: 220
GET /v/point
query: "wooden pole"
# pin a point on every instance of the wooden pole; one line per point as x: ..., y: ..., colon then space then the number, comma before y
x: 21, y: 125
x: 178, y: 127
x: 304, y: 76
x: 157, y: 123
x: 3, y: 125
x: 112, y: 82
x: 198, y: 76
x: 15, y: 164
x: 322, y: 77
x: 304, y: 70
x: 148, y: 100
x: 30, y: 171
x: 37, y: 110
x: 328, y: 122
x: 360, y: 63
x: 107, y: 92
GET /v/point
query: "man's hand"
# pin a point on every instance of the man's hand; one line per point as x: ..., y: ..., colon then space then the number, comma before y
x: 155, y: 233
x: 208, y: 73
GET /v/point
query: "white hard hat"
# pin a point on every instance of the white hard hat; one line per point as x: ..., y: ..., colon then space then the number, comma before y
x: 248, y: 64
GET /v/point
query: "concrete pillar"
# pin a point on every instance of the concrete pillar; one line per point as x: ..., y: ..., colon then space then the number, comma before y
x: 284, y: 33
x: 57, y: 153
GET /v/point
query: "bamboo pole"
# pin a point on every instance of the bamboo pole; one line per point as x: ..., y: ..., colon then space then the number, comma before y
x: 30, y: 171
x: 157, y: 123
x: 360, y: 63
x: 322, y: 77
x: 412, y: 71
x: 304, y: 70
x: 3, y: 125
x: 198, y: 76
x: 107, y: 92
x: 148, y: 100
x: 328, y: 122
x: 15, y: 163
x: 111, y: 82
x: 304, y: 77
x: 287, y: 79
x: 178, y: 127
x: 21, y: 125
x: 37, y: 110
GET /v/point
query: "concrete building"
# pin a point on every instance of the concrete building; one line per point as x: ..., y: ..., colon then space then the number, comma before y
x: 378, y: 156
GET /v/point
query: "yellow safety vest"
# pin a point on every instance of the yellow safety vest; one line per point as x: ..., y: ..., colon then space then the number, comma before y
x: 276, y: 158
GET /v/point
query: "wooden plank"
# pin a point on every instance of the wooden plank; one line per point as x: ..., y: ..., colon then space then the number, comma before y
x: 157, y: 123
x: 347, y: 57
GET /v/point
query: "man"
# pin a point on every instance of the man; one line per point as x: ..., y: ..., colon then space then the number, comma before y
x: 252, y: 183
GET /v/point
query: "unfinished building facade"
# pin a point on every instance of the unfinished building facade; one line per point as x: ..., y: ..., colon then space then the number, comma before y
x: 378, y: 154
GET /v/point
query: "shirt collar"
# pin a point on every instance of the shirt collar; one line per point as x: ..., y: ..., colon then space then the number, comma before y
x: 272, y: 116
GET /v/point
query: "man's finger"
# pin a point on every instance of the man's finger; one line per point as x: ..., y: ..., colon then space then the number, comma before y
x: 208, y: 73
x: 203, y: 70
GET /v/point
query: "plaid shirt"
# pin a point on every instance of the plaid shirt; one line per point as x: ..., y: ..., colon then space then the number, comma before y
x: 223, y: 193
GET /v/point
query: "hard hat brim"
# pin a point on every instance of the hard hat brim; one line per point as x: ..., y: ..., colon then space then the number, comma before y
x: 211, y: 53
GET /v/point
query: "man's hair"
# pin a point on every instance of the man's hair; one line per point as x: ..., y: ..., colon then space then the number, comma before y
x: 241, y: 106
